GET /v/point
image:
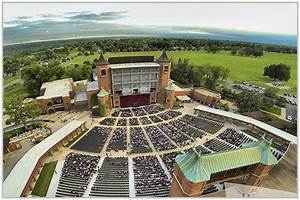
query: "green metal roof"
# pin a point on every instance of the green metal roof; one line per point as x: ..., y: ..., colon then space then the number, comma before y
x: 198, y: 168
x: 192, y: 167
x: 170, y: 86
x: 102, y: 93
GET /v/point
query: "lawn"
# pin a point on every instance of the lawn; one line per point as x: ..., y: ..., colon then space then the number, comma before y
x: 241, y: 68
x: 15, y: 90
x: 276, y: 110
x: 41, y: 187
x: 10, y: 79
x: 13, y: 85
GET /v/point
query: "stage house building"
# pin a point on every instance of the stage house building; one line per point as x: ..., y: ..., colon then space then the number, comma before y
x: 134, y: 81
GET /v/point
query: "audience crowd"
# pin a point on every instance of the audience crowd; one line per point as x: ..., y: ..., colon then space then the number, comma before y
x: 150, y: 178
x: 118, y: 140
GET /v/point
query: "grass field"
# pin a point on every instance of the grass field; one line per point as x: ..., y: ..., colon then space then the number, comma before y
x: 276, y: 110
x: 13, y: 85
x: 241, y: 68
x: 41, y: 187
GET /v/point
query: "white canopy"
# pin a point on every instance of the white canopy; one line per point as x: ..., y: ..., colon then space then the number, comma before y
x: 183, y: 98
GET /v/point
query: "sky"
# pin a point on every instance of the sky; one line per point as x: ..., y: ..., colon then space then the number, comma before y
x: 278, y: 18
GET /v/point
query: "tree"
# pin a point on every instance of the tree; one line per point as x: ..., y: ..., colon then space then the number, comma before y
x: 279, y: 72
x: 77, y: 72
x: 19, y: 111
x: 224, y: 107
x: 33, y: 76
x: 281, y: 102
x: 270, y: 92
x: 234, y: 51
x: 248, y: 101
x: 213, y: 73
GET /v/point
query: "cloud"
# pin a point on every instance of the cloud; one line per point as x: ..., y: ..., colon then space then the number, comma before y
x: 50, y: 15
x: 104, y: 16
x: 77, y: 12
x: 23, y: 17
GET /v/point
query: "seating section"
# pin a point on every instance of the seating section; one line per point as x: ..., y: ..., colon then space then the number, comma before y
x: 155, y: 119
x: 158, y: 139
x: 139, y: 111
x: 122, y: 122
x: 217, y: 145
x: 94, y: 140
x: 187, y: 129
x: 133, y: 122
x: 210, y: 189
x: 76, y: 175
x: 118, y: 140
x: 277, y: 154
x: 174, y: 134
x: 169, y: 161
x: 116, y: 113
x: 169, y: 114
x: 145, y: 121
x: 112, y: 179
x: 202, y: 123
x: 139, y: 144
x: 126, y: 112
x: 108, y: 121
x: 234, y: 137
x: 150, y: 178
x: 153, y: 109
x: 203, y: 149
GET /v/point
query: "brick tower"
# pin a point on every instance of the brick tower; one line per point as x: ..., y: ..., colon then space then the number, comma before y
x: 104, y: 100
x: 165, y: 69
x: 103, y: 74
x: 263, y: 168
x: 170, y: 96
x: 190, y: 176
x: 104, y: 82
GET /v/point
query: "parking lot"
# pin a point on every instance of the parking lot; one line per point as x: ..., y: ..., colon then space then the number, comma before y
x: 291, y: 112
x: 250, y: 87
x: 291, y: 99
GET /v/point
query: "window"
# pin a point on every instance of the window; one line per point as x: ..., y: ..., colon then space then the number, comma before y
x: 103, y: 72
x: 136, y: 90
x: 166, y: 68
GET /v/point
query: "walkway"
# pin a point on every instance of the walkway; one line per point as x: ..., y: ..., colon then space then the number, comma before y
x: 93, y: 179
x: 162, y: 164
x: 131, y: 178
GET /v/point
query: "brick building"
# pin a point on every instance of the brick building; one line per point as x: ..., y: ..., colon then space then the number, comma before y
x: 63, y: 94
x: 248, y: 165
x: 122, y: 82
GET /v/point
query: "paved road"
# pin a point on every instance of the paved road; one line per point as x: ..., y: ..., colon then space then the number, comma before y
x: 291, y: 110
x: 12, y: 158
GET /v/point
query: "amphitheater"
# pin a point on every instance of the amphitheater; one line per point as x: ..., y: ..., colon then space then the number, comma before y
x: 132, y: 152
